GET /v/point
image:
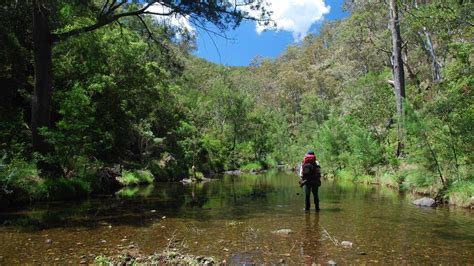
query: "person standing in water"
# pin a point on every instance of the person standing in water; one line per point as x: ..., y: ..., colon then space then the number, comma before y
x: 310, y: 174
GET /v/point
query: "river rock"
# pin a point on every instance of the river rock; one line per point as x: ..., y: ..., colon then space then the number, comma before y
x: 425, y: 202
x: 346, y: 244
x: 233, y: 172
x: 283, y: 231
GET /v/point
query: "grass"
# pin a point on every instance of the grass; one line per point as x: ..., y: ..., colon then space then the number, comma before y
x: 130, y: 178
x: 19, y: 181
x: 389, y: 179
x: 460, y: 193
x: 251, y: 167
x: 348, y: 175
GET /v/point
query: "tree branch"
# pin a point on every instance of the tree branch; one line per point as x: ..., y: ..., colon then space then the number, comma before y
x: 105, y: 21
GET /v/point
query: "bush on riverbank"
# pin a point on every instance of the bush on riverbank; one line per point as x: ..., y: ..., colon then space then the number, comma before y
x: 252, y: 167
x: 19, y: 181
x: 136, y: 177
x: 461, y: 193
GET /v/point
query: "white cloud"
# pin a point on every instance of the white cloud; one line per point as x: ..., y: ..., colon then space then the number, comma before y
x: 175, y: 20
x: 295, y: 16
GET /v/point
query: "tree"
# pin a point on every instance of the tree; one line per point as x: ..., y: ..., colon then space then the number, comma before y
x: 398, y: 72
x: 220, y: 13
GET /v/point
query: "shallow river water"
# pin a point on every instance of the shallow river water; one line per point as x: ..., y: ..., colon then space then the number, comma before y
x: 235, y: 218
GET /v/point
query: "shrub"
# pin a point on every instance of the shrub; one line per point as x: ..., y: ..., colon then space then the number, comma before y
x: 19, y: 181
x: 136, y: 177
x: 460, y: 192
x: 249, y: 167
x: 345, y: 174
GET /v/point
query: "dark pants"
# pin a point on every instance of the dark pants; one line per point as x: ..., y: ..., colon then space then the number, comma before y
x: 307, y: 192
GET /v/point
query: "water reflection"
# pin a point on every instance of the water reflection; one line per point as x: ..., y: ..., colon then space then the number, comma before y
x: 311, y: 242
x: 234, y: 218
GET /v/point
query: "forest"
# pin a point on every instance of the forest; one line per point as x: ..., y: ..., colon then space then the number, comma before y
x: 383, y: 96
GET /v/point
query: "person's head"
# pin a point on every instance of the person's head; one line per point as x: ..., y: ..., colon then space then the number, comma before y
x: 310, y: 152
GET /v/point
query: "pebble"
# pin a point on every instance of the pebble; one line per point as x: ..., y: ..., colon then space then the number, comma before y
x: 283, y: 231
x: 226, y: 249
x: 83, y: 262
x: 153, y: 211
x: 331, y: 262
x: 103, y: 241
x: 164, y: 217
x: 48, y: 241
x: 282, y: 261
x: 346, y: 244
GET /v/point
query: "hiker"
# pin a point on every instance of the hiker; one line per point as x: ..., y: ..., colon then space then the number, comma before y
x: 310, y: 174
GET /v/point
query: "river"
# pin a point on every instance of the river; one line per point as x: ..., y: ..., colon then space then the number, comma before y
x: 234, y: 218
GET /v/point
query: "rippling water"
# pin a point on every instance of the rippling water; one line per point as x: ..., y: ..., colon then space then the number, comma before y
x: 234, y: 219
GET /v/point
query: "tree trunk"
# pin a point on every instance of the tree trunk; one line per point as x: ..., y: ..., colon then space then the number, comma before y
x: 398, y: 73
x: 428, y: 45
x: 41, y: 102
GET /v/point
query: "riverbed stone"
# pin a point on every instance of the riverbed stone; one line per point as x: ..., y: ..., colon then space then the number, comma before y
x: 283, y: 231
x: 346, y: 244
x: 425, y: 202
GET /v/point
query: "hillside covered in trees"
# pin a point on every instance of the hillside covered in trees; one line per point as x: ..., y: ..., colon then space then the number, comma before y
x: 130, y: 97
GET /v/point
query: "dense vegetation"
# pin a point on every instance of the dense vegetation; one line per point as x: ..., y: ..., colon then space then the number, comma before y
x: 123, y: 100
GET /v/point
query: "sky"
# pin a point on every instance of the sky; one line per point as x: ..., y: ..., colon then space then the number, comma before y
x: 295, y: 19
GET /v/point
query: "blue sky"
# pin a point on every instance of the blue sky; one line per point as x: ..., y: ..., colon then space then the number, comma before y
x: 245, y: 43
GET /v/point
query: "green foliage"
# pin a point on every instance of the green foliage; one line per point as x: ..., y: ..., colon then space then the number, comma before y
x: 136, y: 177
x: 102, y: 260
x: 251, y: 167
x: 460, y: 192
x: 346, y: 175
x: 419, y: 178
x: 19, y: 181
x: 120, y: 99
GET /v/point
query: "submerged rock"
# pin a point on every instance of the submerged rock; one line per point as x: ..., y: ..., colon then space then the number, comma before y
x: 346, y: 244
x: 283, y: 231
x: 425, y: 202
